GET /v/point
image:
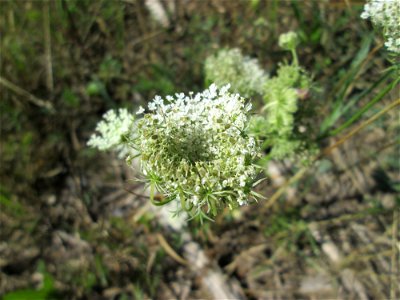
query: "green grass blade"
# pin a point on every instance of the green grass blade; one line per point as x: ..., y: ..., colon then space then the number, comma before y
x: 364, y: 109
x: 343, y: 109
x: 345, y: 82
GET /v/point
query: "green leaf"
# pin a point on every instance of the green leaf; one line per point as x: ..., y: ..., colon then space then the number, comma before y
x: 44, y: 293
x: 70, y: 98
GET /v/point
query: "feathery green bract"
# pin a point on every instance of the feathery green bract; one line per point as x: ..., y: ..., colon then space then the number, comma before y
x: 283, y: 123
x: 280, y: 97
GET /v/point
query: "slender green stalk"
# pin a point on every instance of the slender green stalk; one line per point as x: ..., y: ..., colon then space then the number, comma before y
x: 395, y: 256
x: 157, y: 203
x: 21, y: 92
x: 295, y: 58
x: 283, y: 188
x: 342, y: 88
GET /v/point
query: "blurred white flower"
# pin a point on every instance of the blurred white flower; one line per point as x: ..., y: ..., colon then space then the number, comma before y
x: 114, y: 131
x: 242, y: 73
x: 140, y: 110
x: 385, y: 14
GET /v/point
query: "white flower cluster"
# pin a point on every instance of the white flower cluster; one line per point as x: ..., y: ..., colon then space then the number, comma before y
x: 386, y: 14
x: 229, y: 66
x: 114, y: 131
x: 194, y: 148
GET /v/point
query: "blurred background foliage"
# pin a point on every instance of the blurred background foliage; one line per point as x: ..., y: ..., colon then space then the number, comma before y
x: 67, y: 230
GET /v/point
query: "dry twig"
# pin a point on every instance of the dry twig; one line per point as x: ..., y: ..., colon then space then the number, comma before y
x: 395, y: 257
x: 47, y: 46
x: 31, y: 98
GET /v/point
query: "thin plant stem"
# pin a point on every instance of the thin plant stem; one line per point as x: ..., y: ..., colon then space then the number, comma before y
x: 343, y: 88
x: 295, y: 58
x: 355, y: 100
x: 360, y: 67
x: 157, y: 203
x: 47, y: 46
x: 170, y: 251
x: 21, y: 92
x: 395, y: 256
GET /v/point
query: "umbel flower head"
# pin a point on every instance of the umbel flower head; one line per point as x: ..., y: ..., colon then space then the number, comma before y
x: 194, y: 148
x: 114, y: 131
x: 385, y: 14
x: 230, y: 66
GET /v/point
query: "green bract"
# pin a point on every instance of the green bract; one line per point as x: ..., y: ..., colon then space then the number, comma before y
x: 281, y: 97
x: 282, y: 124
x: 194, y: 148
x: 287, y: 133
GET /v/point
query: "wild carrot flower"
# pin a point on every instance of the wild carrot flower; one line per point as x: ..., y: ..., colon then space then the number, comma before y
x: 114, y: 131
x: 192, y: 148
x: 230, y: 66
x: 385, y: 14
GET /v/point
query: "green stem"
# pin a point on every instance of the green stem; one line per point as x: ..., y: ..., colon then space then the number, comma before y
x: 157, y: 203
x: 183, y: 204
x: 295, y: 58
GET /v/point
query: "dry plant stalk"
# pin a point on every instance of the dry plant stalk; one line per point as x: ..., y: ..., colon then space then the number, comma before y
x: 47, y: 46
x: 395, y: 278
x: 31, y: 98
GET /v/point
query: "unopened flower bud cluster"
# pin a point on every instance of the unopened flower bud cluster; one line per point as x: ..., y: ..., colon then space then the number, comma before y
x: 194, y: 148
x: 289, y: 40
x: 385, y: 14
x: 230, y: 66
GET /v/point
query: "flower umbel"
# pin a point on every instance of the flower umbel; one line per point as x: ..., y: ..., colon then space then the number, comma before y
x: 385, y: 14
x: 194, y: 148
x: 243, y: 73
x: 114, y: 131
